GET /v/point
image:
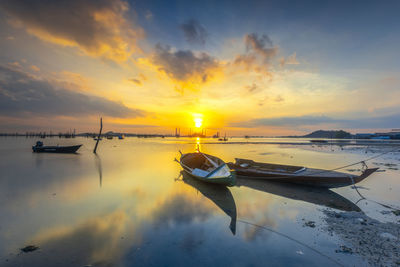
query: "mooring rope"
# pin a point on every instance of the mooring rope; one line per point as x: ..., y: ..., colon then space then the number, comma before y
x: 358, y: 162
x: 292, y: 239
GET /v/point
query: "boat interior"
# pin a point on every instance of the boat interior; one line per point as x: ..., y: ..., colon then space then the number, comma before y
x: 201, y: 161
x: 246, y: 163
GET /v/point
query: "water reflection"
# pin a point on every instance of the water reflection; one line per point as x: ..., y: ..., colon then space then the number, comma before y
x: 198, y: 144
x: 220, y: 195
x: 79, y: 245
x: 142, y: 217
x: 314, y: 195
x: 99, y: 167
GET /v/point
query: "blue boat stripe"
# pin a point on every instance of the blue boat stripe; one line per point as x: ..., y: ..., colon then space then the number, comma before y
x: 211, y: 173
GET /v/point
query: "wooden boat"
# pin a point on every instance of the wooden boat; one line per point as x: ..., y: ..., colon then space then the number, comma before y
x: 109, y: 137
x: 296, y: 174
x: 207, y: 168
x: 40, y: 148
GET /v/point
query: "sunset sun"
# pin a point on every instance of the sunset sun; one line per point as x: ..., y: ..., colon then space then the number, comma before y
x: 198, y: 120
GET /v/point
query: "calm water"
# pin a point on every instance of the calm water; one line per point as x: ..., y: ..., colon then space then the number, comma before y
x: 127, y: 206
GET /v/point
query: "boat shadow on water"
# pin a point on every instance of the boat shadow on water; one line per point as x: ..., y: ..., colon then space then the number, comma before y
x: 314, y: 195
x: 220, y: 195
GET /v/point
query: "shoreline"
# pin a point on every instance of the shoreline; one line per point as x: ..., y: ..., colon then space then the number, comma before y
x: 304, y: 143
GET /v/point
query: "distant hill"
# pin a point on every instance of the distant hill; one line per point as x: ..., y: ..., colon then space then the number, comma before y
x: 327, y: 134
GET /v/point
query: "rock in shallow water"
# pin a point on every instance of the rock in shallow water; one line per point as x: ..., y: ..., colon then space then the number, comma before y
x: 29, y: 248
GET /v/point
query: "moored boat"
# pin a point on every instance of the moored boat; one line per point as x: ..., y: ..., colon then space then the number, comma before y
x: 297, y: 174
x: 40, y: 148
x: 207, y: 168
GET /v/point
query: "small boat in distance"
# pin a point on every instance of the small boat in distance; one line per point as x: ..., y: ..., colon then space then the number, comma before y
x: 207, y: 168
x: 296, y: 174
x: 109, y: 137
x: 40, y: 148
x: 121, y: 136
x: 223, y: 139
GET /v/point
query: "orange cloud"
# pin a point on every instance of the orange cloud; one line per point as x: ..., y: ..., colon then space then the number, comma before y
x: 98, y: 28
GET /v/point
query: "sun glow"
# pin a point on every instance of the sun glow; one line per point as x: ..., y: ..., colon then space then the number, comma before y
x: 198, y: 120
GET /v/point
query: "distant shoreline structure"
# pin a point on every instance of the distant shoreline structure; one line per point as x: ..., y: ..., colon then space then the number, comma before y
x: 320, y: 134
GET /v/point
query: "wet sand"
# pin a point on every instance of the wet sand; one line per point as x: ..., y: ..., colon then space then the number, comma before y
x: 377, y: 242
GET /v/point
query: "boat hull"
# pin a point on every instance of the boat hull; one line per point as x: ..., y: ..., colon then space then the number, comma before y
x: 309, y: 177
x: 227, y: 181
x: 189, y: 160
x: 56, y: 149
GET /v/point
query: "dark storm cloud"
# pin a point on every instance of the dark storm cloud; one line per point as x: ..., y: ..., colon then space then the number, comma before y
x: 194, y: 32
x: 384, y: 121
x: 96, y: 26
x: 22, y: 94
x: 184, y: 64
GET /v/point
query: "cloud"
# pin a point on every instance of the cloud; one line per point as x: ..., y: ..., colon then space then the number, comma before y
x: 259, y: 53
x: 383, y: 121
x: 279, y: 98
x: 22, y: 94
x: 35, y: 68
x: 291, y: 60
x: 194, y: 32
x: 183, y: 65
x: 15, y: 65
x: 251, y: 88
x: 96, y: 27
x: 138, y: 82
x: 148, y: 15
x: 286, y: 121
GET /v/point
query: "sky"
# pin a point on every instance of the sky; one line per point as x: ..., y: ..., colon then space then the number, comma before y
x: 241, y: 67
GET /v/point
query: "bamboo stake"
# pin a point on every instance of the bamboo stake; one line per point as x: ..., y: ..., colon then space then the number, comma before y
x: 98, y: 137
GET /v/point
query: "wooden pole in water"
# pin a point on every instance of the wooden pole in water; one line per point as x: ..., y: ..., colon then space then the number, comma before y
x: 98, y: 137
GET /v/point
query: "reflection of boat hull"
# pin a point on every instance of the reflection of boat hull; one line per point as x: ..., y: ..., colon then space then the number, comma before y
x: 296, y: 174
x: 220, y: 195
x: 55, y: 149
x: 314, y: 195
x: 193, y: 161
